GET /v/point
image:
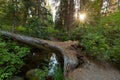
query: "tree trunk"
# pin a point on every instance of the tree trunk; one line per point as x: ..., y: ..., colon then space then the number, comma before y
x: 66, y: 15
x: 65, y: 48
x: 38, y: 9
x: 13, y: 17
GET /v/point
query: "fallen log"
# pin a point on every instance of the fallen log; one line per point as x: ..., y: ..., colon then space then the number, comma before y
x: 69, y: 54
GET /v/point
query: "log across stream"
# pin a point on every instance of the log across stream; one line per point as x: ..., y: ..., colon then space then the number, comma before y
x: 66, y: 49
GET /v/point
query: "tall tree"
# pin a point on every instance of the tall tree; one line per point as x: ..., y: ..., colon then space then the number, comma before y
x: 65, y: 15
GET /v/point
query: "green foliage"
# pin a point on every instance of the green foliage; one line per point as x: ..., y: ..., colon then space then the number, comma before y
x: 63, y: 36
x: 20, y: 29
x: 36, y: 28
x: 32, y: 26
x: 58, y: 75
x: 111, y: 20
x: 77, y: 33
x: 10, y: 59
x: 102, y: 42
x: 95, y: 44
x: 113, y: 37
x: 5, y: 27
x: 47, y: 32
x: 37, y: 74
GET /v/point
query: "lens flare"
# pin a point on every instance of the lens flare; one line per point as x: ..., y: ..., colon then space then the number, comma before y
x: 82, y: 17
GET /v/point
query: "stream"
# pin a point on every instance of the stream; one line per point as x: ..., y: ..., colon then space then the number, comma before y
x: 39, y: 59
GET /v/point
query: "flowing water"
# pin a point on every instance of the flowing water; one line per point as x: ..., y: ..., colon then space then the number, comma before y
x: 52, y: 64
x: 40, y: 59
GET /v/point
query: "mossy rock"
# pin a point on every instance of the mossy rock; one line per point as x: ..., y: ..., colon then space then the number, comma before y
x: 17, y: 78
x: 36, y: 74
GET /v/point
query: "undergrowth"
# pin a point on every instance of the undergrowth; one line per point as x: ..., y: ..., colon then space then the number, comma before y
x: 11, y: 58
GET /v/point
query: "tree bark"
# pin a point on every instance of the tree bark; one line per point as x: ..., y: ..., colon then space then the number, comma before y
x: 38, y: 9
x: 69, y: 54
x: 13, y: 16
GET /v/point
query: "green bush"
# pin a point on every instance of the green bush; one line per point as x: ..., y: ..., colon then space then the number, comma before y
x: 47, y: 32
x: 5, y: 27
x: 32, y: 26
x: 10, y: 58
x: 20, y: 29
x: 111, y: 20
x: 95, y: 43
x: 102, y: 43
x: 77, y: 33
x: 63, y: 36
x: 40, y: 28
x: 113, y: 37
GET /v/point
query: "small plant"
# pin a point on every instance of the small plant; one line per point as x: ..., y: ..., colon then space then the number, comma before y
x: 11, y: 59
x: 20, y: 29
x: 58, y: 75
x: 32, y: 26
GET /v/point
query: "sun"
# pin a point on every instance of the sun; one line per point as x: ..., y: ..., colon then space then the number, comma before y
x: 82, y: 17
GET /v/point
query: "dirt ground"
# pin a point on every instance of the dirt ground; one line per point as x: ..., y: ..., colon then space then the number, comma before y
x: 95, y: 71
